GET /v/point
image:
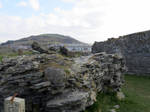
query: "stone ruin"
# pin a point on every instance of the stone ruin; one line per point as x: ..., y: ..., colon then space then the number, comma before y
x: 54, y: 83
x: 135, y: 49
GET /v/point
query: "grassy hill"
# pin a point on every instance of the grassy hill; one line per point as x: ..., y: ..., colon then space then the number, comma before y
x: 44, y: 39
x: 137, y: 92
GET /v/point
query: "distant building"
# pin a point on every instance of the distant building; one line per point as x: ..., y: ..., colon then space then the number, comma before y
x: 74, y: 47
x: 23, y: 47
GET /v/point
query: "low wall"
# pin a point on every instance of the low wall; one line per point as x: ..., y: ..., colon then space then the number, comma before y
x: 53, y: 83
x: 135, y: 49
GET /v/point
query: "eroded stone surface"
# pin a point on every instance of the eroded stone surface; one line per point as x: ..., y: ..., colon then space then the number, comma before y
x: 134, y: 47
x: 52, y: 83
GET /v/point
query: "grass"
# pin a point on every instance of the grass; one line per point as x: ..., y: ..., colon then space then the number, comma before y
x: 137, y: 92
x: 14, y: 54
x: 1, y: 57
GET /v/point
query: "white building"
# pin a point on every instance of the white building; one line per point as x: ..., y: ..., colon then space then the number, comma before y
x: 74, y: 47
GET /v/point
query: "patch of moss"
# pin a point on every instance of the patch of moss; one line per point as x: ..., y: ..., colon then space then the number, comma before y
x: 105, y: 101
x: 78, y: 84
x: 51, y: 64
x: 67, y: 71
x: 56, y: 61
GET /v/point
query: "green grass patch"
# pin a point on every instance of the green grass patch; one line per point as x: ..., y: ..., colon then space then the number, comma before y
x: 14, y: 54
x: 1, y: 57
x: 137, y: 92
x: 105, y: 101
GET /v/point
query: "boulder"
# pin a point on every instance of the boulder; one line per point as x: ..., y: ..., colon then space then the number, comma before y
x: 35, y: 46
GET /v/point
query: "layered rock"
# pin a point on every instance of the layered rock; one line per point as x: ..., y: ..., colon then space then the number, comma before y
x: 134, y: 47
x: 36, y: 47
x: 52, y: 83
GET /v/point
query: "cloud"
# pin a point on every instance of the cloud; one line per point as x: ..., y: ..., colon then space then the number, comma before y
x: 22, y: 3
x: 35, y: 4
x: 80, y: 22
x: 88, y: 20
x: 0, y: 4
x: 68, y: 0
x: 32, y: 3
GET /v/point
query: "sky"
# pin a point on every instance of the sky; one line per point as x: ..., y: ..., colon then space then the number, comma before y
x: 85, y: 20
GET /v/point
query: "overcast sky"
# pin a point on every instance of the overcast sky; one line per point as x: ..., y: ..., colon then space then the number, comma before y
x: 85, y: 20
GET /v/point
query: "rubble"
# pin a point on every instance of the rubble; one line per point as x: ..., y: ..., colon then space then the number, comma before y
x: 53, y: 83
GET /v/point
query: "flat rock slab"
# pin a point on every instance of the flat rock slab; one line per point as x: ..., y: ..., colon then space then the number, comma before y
x: 76, y: 100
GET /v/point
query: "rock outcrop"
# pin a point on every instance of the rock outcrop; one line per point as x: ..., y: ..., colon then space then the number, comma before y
x: 134, y: 47
x: 53, y: 83
x: 36, y: 47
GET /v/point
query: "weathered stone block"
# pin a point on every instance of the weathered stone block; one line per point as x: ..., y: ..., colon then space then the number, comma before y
x: 18, y: 105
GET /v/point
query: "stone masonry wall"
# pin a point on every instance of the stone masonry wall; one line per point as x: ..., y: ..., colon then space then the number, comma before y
x: 53, y: 83
x: 135, y: 49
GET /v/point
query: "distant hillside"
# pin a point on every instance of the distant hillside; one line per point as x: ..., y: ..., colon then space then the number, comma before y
x: 43, y: 39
